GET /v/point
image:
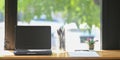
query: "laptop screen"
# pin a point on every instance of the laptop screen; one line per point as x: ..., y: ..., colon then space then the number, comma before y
x: 33, y: 37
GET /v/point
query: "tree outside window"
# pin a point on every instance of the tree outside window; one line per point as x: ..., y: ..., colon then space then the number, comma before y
x: 80, y: 12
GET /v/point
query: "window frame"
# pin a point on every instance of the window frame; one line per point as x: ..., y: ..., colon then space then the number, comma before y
x: 10, y: 23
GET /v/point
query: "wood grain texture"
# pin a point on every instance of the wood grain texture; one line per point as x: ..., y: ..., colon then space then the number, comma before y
x: 104, y: 55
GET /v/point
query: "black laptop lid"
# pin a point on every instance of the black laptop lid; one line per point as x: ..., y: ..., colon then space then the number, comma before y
x: 33, y: 37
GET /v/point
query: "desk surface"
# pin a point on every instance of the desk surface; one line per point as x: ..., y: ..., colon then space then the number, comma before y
x: 104, y: 54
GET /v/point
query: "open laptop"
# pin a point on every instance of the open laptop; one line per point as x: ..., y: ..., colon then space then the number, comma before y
x: 33, y: 40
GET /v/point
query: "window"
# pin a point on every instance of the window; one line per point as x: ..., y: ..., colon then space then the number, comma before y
x: 2, y: 15
x: 80, y: 18
x: 110, y: 29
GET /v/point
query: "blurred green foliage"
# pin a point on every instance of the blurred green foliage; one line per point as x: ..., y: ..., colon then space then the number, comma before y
x: 78, y: 11
x: 2, y: 6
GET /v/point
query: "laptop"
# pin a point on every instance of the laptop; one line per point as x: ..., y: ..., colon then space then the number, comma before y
x: 33, y: 40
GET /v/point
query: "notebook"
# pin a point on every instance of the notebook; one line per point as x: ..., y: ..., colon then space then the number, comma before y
x: 33, y: 40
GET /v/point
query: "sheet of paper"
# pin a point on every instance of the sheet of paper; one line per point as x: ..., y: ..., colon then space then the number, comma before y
x: 83, y: 54
x: 5, y: 53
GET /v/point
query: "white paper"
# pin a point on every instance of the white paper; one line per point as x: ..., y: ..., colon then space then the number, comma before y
x: 5, y: 53
x: 83, y: 54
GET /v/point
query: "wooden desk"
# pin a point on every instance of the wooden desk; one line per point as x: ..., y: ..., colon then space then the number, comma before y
x: 104, y: 55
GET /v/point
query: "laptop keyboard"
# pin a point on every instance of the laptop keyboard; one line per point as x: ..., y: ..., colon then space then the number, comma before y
x: 32, y: 52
